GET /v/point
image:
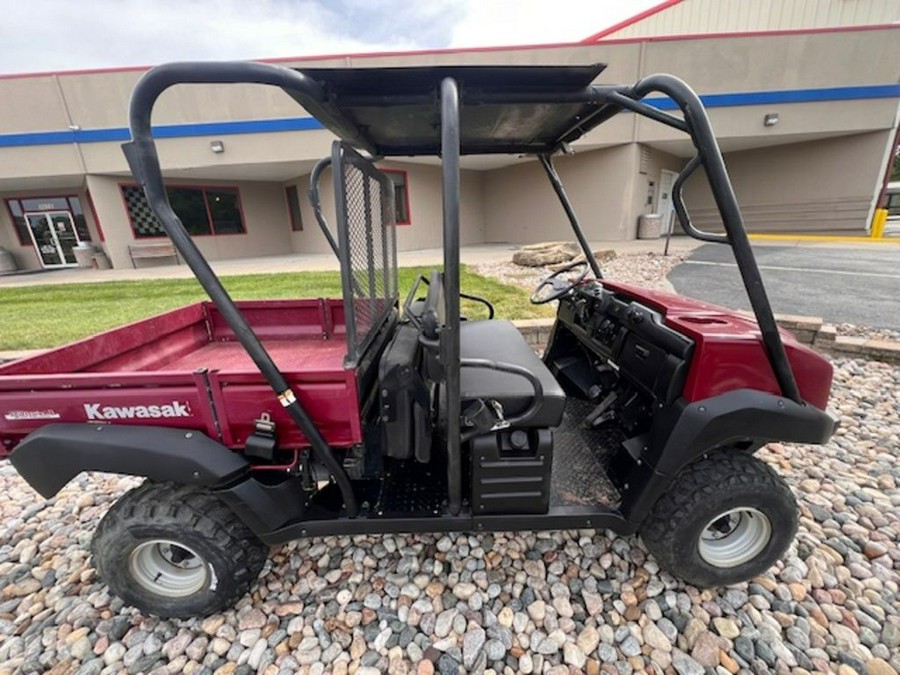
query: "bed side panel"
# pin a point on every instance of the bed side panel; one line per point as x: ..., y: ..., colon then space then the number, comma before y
x: 155, y: 400
x: 331, y: 399
x: 92, y: 352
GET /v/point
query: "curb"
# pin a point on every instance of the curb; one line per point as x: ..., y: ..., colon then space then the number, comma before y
x: 823, y: 336
x: 823, y: 238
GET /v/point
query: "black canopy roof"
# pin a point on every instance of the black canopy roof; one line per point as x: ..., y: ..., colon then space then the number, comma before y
x: 503, y: 109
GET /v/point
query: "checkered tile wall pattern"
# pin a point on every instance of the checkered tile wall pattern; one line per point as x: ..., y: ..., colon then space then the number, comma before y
x: 143, y: 222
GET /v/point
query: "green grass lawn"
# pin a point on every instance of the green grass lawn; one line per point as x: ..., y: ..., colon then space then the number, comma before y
x: 46, y: 316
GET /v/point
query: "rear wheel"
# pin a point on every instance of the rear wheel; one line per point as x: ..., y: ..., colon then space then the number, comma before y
x: 176, y: 551
x: 725, y: 518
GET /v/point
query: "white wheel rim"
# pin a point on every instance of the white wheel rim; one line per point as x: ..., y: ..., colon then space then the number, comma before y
x: 734, y: 537
x: 168, y: 568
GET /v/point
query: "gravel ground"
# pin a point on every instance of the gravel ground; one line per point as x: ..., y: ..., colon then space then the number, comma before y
x: 560, y: 602
x: 850, y: 330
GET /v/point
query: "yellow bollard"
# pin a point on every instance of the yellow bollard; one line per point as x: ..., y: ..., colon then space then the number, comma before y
x: 878, y: 221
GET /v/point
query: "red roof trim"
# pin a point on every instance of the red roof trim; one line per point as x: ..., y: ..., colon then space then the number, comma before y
x: 628, y: 22
x: 749, y: 33
x: 475, y: 50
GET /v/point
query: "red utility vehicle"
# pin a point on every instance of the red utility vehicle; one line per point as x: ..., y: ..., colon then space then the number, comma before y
x: 259, y: 422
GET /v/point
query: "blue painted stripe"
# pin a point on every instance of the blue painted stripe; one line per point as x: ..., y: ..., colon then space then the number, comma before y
x: 162, y: 131
x: 785, y: 96
x: 120, y: 134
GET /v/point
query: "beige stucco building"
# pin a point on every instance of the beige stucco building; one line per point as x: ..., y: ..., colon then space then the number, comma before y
x: 237, y: 158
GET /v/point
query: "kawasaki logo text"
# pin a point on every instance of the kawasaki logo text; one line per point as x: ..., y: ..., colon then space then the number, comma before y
x: 97, y: 411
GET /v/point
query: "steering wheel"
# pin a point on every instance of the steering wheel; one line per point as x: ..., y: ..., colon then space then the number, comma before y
x: 560, y: 287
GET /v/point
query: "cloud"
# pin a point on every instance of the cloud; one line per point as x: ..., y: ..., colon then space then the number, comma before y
x: 62, y: 34
x: 423, y: 24
x: 524, y: 22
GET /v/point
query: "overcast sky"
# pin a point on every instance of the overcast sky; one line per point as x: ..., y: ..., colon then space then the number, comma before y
x: 38, y: 35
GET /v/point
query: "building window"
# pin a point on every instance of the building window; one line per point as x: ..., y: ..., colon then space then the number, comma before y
x: 203, y: 211
x: 293, y: 200
x: 190, y: 206
x: 225, y: 210
x: 893, y: 205
x: 71, y: 204
x: 401, y: 195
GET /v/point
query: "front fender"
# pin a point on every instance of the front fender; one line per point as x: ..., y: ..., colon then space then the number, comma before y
x: 743, y: 419
x: 54, y: 454
x: 728, y: 419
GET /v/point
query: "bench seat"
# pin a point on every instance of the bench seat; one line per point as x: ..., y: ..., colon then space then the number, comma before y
x: 152, y: 250
x: 501, y: 341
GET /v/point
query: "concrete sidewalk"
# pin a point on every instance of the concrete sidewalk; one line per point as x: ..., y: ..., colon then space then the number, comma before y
x: 308, y: 262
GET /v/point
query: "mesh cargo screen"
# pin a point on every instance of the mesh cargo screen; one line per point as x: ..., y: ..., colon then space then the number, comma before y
x: 367, y: 241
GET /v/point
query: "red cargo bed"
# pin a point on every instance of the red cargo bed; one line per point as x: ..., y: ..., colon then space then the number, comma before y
x: 185, y: 369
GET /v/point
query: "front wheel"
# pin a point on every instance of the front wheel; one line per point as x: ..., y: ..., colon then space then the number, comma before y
x: 724, y: 519
x: 176, y: 551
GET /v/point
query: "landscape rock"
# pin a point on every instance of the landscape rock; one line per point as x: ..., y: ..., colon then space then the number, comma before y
x: 547, y: 253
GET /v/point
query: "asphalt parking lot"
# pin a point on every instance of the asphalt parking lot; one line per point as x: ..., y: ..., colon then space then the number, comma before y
x: 842, y: 285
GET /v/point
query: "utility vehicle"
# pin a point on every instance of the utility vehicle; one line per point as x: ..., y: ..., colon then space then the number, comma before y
x: 256, y: 423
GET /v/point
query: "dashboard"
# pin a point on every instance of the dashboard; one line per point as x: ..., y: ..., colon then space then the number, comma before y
x: 629, y: 337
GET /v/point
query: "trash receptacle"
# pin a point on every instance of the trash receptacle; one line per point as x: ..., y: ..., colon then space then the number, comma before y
x: 649, y: 226
x: 7, y: 262
x: 84, y: 254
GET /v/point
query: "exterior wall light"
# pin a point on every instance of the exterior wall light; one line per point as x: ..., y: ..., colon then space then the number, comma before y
x: 217, y: 147
x: 770, y: 120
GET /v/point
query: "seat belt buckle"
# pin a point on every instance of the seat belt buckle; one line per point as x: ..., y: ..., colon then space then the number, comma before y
x: 484, y: 416
x: 501, y: 422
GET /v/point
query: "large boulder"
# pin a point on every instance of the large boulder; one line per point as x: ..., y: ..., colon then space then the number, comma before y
x: 547, y: 253
x: 603, y: 256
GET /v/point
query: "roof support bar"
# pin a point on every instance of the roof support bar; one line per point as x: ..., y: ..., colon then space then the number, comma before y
x: 144, y: 162
x: 647, y: 110
x: 316, y: 201
x: 602, y: 96
x: 450, y: 333
x: 708, y: 151
x: 681, y: 211
x: 547, y: 163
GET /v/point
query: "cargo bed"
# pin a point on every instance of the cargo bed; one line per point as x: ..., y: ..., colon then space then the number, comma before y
x: 185, y: 369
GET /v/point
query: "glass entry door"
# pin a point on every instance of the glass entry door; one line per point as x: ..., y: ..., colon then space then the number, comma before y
x: 54, y: 236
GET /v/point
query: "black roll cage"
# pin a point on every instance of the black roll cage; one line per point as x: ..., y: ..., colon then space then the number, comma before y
x: 605, y: 102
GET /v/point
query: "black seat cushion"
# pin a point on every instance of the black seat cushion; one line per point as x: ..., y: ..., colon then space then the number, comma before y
x: 501, y: 341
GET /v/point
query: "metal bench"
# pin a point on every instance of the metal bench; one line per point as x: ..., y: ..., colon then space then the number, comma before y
x: 154, y: 250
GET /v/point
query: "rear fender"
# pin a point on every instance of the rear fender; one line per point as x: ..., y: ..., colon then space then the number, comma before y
x: 54, y: 454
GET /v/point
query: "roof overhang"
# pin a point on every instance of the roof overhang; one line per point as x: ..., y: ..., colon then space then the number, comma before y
x: 503, y: 109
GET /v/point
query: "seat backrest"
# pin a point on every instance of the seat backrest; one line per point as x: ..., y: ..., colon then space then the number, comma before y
x: 433, y: 312
x: 404, y: 398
